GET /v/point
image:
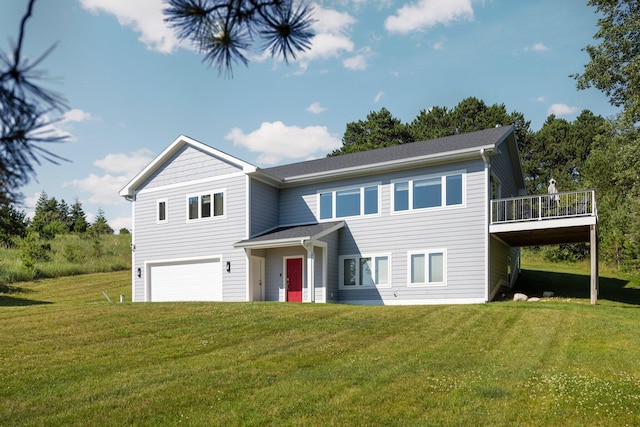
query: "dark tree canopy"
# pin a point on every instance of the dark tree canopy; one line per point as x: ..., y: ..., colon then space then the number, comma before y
x: 24, y: 110
x: 614, y: 65
x: 224, y: 31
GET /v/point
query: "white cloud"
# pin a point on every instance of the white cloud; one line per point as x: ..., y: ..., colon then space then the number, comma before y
x: 145, y: 17
x: 119, y: 169
x: 76, y: 115
x: 315, y: 108
x: 275, y: 141
x: 562, y: 109
x: 378, y: 97
x: 356, y: 63
x: 540, y: 99
x: 425, y: 14
x: 536, y: 47
x: 439, y: 45
x: 331, y: 36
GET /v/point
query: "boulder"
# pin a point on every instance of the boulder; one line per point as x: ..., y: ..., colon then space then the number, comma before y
x: 520, y: 297
x: 533, y: 299
x: 548, y: 294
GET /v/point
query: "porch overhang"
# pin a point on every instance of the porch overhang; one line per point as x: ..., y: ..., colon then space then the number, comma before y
x: 298, y: 235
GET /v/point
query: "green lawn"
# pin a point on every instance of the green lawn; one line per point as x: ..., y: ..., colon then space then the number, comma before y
x: 69, y: 357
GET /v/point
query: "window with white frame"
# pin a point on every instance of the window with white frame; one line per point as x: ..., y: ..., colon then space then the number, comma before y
x: 358, y: 271
x: 205, y: 205
x: 428, y: 192
x: 161, y: 210
x: 427, y: 267
x: 349, y: 202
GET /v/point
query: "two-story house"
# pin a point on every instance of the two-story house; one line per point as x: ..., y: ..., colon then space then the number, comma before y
x: 407, y: 224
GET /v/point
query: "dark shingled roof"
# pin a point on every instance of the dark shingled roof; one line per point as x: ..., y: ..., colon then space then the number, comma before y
x: 293, y: 232
x: 460, y: 142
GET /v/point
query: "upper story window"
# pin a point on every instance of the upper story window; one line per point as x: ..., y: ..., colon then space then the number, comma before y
x: 349, y: 202
x: 162, y: 211
x: 428, y: 192
x: 205, y: 205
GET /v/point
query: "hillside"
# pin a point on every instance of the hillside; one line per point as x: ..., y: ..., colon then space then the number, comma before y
x: 69, y: 357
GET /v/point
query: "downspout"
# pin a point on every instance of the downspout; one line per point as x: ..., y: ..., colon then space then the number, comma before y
x: 487, y: 242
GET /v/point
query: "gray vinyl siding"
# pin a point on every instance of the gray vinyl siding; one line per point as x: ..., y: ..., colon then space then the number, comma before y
x: 461, y: 231
x: 332, y: 241
x: 502, y: 167
x: 263, y: 208
x: 499, y: 262
x: 178, y: 239
x: 274, y: 271
x: 188, y: 164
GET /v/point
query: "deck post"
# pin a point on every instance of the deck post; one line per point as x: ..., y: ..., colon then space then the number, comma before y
x: 593, y: 231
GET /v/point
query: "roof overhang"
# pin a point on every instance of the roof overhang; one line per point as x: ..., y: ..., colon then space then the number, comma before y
x: 291, y: 236
x: 129, y: 190
x: 388, y: 166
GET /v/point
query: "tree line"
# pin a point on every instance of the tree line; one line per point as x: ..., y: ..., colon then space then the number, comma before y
x: 51, y: 218
x: 588, y: 152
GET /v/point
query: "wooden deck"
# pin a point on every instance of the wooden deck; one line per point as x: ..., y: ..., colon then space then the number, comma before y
x: 570, y: 217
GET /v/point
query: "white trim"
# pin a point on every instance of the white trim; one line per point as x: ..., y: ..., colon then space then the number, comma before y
x: 199, y: 195
x: 426, y: 253
x: 404, y: 163
x: 542, y: 224
x: 191, y: 183
x: 170, y: 261
x: 443, y: 189
x: 422, y: 301
x: 182, y: 140
x: 133, y: 250
x: 358, y: 257
x: 166, y: 211
x: 334, y: 200
x: 247, y: 206
x: 325, y: 268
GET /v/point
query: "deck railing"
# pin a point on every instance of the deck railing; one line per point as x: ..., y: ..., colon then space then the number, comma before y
x: 545, y: 206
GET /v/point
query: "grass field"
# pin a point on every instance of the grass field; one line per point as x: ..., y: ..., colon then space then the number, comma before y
x: 69, y: 357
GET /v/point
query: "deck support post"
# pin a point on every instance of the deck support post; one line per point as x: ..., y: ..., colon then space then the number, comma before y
x: 593, y: 231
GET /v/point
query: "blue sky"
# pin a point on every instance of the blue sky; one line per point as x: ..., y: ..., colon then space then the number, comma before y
x: 132, y: 87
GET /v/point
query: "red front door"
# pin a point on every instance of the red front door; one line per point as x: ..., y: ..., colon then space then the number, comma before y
x: 294, y: 279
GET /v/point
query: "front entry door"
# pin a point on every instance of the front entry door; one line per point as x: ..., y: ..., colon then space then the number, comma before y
x: 256, y: 279
x: 294, y: 279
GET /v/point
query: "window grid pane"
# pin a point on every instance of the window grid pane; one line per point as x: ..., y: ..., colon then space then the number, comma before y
x: 218, y: 204
x: 366, y: 276
x: 162, y: 211
x: 436, y: 267
x: 193, y: 207
x: 370, y: 200
x: 427, y: 193
x: 454, y: 190
x: 382, y: 270
x: 417, y: 268
x: 326, y: 205
x: 401, y: 196
x: 205, y: 206
x: 349, y: 274
x: 347, y: 203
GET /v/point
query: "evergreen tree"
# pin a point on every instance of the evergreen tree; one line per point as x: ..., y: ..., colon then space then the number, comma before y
x: 13, y: 223
x: 78, y: 219
x: 100, y: 225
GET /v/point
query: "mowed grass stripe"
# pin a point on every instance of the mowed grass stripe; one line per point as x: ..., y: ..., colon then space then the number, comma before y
x: 80, y: 360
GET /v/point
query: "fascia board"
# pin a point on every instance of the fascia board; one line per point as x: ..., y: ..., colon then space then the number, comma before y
x: 177, y: 144
x: 391, y: 165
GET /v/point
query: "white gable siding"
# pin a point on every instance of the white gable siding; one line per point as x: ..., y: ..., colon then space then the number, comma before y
x: 189, y: 164
x: 177, y: 239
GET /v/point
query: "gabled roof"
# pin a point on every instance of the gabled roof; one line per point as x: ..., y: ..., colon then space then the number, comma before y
x: 176, y: 145
x: 441, y: 150
x: 291, y: 236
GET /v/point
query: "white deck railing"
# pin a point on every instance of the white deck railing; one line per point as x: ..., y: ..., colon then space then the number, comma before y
x: 545, y: 206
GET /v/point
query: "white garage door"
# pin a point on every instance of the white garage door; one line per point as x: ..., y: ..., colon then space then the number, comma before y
x: 186, y: 281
